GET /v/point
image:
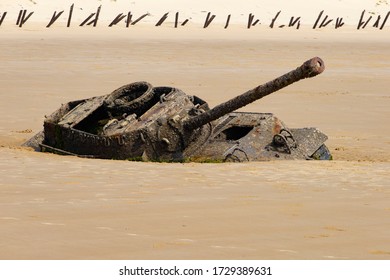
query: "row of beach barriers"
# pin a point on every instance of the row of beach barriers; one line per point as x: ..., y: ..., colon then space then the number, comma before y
x: 322, y: 20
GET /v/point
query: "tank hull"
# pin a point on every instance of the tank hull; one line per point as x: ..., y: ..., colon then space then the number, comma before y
x: 147, y: 126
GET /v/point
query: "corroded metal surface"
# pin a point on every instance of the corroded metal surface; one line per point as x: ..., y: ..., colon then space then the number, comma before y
x: 141, y: 122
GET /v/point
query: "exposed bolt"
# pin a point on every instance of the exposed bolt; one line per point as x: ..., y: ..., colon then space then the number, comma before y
x: 166, y: 141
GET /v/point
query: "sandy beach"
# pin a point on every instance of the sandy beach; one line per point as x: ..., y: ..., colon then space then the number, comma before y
x: 62, y: 207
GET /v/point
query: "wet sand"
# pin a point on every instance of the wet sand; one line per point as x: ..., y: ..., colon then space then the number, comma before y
x: 56, y: 207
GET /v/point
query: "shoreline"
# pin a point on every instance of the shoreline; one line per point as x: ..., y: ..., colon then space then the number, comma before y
x: 197, y: 32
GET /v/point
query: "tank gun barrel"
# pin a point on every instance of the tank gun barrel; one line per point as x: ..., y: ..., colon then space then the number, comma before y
x: 308, y: 69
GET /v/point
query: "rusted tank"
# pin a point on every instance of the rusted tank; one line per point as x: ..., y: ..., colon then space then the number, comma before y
x: 142, y: 122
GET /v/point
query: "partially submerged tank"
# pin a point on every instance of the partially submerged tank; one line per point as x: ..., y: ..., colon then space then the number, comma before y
x: 142, y: 122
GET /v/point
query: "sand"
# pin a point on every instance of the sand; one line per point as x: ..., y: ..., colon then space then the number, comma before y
x: 57, y: 207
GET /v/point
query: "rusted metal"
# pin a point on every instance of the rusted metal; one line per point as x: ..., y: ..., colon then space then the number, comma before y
x: 141, y: 122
